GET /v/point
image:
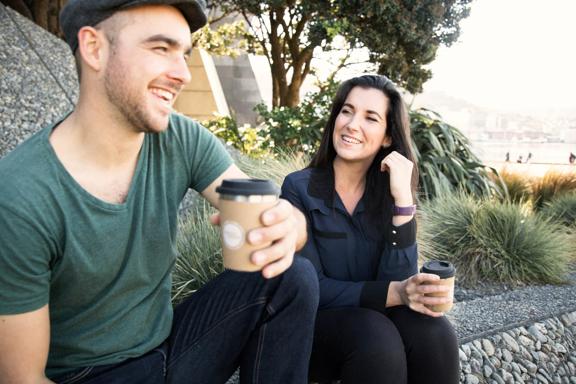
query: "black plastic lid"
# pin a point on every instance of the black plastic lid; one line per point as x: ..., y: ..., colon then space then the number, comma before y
x: 444, y: 269
x: 247, y: 187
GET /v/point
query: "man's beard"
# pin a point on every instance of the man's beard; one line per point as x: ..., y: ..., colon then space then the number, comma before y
x: 130, y: 105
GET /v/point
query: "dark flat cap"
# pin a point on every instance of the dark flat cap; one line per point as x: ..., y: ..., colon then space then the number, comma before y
x: 80, y: 13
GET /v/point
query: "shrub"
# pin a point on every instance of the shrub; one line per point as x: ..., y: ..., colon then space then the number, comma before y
x: 551, y: 185
x: 489, y: 240
x: 252, y: 141
x: 562, y: 209
x: 301, y: 127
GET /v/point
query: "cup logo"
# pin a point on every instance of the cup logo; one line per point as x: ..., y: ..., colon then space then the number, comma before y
x: 232, y: 235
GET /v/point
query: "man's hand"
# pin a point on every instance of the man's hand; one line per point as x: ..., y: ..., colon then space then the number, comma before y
x: 285, y: 227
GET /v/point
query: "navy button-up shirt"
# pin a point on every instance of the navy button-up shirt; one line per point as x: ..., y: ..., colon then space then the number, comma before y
x: 355, y: 260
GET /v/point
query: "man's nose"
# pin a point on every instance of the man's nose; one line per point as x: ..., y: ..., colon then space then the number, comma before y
x: 180, y: 71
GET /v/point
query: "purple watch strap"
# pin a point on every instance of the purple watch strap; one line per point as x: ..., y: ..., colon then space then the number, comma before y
x: 405, y: 211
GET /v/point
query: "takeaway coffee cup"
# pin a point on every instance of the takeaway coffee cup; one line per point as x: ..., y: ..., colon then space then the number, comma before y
x: 446, y: 271
x: 242, y: 202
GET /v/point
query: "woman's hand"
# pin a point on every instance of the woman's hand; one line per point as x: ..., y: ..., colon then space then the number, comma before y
x: 412, y: 293
x: 400, y: 170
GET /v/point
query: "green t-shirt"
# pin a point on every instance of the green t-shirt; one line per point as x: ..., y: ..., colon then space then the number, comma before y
x: 104, y: 269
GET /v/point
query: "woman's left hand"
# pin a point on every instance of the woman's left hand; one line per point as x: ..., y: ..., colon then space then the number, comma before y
x: 400, y: 170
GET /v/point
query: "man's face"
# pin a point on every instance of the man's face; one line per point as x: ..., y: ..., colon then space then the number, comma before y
x: 146, y: 67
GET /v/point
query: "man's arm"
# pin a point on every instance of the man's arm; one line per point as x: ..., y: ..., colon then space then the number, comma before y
x: 24, y: 342
x: 284, y: 226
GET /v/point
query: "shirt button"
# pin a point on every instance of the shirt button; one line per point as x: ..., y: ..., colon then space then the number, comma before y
x: 394, y: 232
x: 394, y: 243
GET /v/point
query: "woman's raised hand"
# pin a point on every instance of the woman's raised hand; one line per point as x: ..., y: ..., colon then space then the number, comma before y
x: 400, y: 170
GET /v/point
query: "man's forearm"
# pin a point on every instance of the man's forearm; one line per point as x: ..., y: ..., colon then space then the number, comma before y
x: 30, y: 380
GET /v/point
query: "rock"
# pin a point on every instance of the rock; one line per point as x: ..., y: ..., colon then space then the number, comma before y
x: 497, y: 378
x: 507, y: 356
x: 487, y: 371
x: 507, y: 377
x: 561, y: 348
x: 488, y: 347
x: 512, y: 344
x: 471, y: 379
x: 532, y: 368
x: 525, y: 341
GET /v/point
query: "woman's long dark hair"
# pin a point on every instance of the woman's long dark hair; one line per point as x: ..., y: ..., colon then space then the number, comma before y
x: 379, y: 201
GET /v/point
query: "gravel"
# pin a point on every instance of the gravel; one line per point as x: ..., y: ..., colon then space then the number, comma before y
x: 487, y: 314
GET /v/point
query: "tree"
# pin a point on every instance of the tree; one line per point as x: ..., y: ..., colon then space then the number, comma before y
x: 401, y: 35
x: 43, y: 12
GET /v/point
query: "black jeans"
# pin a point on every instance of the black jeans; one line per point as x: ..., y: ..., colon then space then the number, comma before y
x: 363, y: 346
x: 239, y: 319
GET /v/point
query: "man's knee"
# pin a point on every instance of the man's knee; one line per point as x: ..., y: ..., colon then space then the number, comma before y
x: 302, y: 278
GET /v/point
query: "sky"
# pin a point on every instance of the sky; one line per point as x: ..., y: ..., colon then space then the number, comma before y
x: 516, y: 55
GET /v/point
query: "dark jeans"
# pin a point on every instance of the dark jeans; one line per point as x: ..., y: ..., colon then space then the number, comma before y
x: 239, y: 319
x: 363, y: 346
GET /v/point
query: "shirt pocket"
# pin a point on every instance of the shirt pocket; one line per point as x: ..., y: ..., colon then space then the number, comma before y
x: 332, y: 250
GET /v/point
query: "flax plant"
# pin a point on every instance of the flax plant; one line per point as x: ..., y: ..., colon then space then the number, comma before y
x: 446, y: 160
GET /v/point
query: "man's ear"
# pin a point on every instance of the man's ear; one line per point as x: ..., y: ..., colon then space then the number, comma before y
x: 387, y: 141
x: 90, y: 47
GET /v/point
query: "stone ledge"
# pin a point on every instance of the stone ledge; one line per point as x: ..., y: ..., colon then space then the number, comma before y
x: 542, y: 352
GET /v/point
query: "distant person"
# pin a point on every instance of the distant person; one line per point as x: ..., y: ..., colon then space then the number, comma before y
x: 519, y: 159
x: 572, y: 158
x: 529, y: 156
x: 507, y: 157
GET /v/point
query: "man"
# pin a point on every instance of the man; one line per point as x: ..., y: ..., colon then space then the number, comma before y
x: 88, y: 212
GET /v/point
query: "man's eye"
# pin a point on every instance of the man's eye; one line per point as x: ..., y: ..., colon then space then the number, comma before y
x: 161, y: 49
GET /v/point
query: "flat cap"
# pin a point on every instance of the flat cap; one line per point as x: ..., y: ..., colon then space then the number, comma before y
x: 80, y: 13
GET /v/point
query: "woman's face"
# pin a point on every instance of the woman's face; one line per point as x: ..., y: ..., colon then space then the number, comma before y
x: 360, y: 127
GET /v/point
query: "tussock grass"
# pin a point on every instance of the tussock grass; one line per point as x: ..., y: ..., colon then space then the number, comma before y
x: 274, y: 168
x: 518, y: 186
x: 199, y: 252
x: 489, y: 240
x: 551, y: 185
x: 562, y: 209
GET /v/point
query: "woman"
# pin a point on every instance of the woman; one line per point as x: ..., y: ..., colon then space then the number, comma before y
x: 373, y: 324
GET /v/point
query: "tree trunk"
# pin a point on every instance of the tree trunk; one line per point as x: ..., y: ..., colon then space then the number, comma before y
x: 19, y: 6
x: 40, y: 9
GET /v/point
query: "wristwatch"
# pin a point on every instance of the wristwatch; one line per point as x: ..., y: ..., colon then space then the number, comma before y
x: 405, y: 211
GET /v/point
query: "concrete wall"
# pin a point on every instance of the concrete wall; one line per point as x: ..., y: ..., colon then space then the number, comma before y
x: 203, y: 97
x: 38, y: 81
